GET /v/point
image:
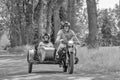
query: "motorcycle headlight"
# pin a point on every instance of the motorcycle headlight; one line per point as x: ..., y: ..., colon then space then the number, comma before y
x: 70, y: 43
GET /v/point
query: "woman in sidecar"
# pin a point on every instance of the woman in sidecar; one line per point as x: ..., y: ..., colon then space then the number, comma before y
x: 44, y: 45
x: 44, y: 55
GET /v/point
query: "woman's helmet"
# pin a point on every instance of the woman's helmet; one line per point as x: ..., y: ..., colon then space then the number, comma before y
x: 46, y: 38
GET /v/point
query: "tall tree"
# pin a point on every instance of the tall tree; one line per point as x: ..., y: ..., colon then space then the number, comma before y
x: 71, y: 13
x: 29, y: 20
x: 92, y: 21
x: 45, y: 15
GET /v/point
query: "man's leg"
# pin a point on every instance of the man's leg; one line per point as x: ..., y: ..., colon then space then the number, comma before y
x: 59, y: 47
x: 76, y: 58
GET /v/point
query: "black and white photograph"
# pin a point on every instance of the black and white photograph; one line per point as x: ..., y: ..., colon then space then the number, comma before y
x: 59, y: 39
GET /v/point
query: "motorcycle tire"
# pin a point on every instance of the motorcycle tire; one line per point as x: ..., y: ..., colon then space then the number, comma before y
x: 30, y: 65
x: 71, y: 63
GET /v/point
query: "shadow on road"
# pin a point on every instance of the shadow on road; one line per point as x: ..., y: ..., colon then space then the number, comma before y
x: 48, y: 72
x: 16, y: 74
x: 38, y: 72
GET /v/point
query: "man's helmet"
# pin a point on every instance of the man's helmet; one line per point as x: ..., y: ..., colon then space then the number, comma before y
x: 66, y: 23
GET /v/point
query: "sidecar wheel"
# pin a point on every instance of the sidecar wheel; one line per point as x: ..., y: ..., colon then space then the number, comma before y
x: 28, y: 60
x: 64, y: 68
x: 30, y: 67
x: 71, y: 63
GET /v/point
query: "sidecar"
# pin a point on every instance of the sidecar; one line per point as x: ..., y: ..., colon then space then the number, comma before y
x: 49, y: 57
x: 66, y: 60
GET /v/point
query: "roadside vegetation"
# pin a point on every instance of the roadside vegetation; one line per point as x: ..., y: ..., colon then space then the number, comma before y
x: 93, y: 26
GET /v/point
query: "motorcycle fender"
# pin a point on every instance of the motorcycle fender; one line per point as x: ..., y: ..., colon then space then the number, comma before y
x: 72, y: 50
x: 31, y: 54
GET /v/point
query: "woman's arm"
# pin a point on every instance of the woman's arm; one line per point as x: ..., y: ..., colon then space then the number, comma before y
x: 40, y: 45
x: 51, y: 45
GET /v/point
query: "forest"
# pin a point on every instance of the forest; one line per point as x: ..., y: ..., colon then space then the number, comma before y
x: 21, y: 19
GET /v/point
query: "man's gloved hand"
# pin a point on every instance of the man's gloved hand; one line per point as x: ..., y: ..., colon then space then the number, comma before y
x: 63, y: 41
x: 76, y: 60
x: 77, y: 43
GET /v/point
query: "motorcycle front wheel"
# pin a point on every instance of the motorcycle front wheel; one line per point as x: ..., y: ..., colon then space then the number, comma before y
x: 65, y: 67
x: 71, y: 63
x: 30, y: 65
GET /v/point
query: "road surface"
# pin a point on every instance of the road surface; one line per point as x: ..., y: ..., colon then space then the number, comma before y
x: 16, y: 68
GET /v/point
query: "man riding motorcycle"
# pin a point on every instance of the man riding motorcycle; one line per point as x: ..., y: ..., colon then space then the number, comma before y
x: 64, y: 35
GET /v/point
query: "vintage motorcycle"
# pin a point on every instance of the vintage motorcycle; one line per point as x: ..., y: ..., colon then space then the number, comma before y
x: 66, y: 57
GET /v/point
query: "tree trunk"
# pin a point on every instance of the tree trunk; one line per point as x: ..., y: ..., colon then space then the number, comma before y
x: 63, y: 14
x: 29, y: 15
x: 92, y: 21
x: 71, y: 13
x: 38, y: 12
x: 56, y: 21
x: 49, y: 16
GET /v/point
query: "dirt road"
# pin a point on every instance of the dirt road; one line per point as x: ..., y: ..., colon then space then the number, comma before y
x: 16, y: 68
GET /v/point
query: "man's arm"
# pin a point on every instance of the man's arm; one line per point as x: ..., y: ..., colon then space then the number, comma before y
x: 75, y: 37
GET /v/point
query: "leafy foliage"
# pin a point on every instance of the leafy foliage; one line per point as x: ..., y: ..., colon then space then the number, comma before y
x: 22, y: 17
